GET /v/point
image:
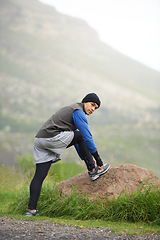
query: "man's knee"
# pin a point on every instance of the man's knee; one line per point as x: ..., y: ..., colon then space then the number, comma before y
x: 78, y: 136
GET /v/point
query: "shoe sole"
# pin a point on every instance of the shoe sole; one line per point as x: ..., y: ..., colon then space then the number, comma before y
x: 94, y: 178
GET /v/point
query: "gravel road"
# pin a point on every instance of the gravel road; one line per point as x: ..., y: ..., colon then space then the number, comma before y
x: 38, y: 230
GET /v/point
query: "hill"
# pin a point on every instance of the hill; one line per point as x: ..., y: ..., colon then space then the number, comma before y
x: 48, y: 60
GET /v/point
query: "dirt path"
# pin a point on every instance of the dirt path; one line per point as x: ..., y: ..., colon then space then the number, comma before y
x: 38, y: 230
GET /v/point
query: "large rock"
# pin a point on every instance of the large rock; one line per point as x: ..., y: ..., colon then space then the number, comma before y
x: 117, y: 180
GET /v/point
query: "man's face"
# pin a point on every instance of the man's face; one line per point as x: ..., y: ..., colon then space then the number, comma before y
x: 90, y: 107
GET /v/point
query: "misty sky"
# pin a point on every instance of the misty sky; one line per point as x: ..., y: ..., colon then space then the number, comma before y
x: 130, y: 26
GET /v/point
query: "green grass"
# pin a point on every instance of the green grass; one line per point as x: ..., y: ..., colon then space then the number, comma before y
x: 142, y: 206
x: 122, y: 227
x: 8, y: 198
x: 137, y: 213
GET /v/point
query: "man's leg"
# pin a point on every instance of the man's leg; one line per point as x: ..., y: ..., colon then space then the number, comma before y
x: 36, y: 183
x: 84, y: 153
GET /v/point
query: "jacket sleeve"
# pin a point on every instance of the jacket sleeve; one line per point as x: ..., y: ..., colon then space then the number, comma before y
x: 81, y: 123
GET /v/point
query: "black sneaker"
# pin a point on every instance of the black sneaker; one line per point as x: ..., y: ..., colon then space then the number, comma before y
x: 105, y: 168
x: 93, y: 175
x: 29, y: 213
x: 97, y: 172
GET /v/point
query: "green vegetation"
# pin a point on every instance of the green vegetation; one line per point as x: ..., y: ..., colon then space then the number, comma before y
x: 139, y: 207
x: 130, y: 213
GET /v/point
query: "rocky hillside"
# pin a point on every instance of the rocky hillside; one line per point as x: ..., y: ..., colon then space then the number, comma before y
x: 48, y: 60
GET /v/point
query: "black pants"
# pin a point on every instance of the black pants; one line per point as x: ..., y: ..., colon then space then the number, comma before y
x: 43, y: 168
x: 36, y: 183
x: 85, y: 154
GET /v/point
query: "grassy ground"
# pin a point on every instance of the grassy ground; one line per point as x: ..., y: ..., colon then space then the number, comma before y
x: 123, y: 227
x: 136, y: 214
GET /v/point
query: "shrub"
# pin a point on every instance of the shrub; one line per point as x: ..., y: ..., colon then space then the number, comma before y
x: 26, y: 164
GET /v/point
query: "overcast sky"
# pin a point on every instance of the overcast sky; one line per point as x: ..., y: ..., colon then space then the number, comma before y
x: 130, y: 26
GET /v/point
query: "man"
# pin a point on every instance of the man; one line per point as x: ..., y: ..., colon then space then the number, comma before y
x: 67, y: 127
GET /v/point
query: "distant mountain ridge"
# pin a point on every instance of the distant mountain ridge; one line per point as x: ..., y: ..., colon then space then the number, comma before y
x: 48, y: 59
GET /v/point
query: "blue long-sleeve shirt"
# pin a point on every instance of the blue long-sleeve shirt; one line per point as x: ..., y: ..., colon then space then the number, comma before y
x: 80, y: 121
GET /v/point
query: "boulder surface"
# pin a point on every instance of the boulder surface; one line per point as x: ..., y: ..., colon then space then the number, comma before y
x: 114, y: 182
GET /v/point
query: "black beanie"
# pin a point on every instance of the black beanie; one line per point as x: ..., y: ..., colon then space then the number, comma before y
x: 92, y: 97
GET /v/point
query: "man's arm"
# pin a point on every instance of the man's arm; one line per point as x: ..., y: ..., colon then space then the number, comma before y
x: 81, y: 123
